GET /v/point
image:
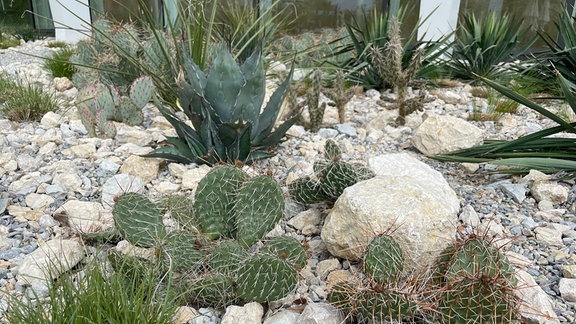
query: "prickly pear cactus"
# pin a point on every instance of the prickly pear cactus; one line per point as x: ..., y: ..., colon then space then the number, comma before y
x: 215, y: 199
x: 306, y: 191
x: 265, y: 278
x: 138, y: 220
x: 383, y: 261
x: 180, y: 208
x: 333, y: 177
x: 181, y: 251
x: 286, y: 248
x: 337, y: 176
x: 386, y: 306
x: 226, y: 256
x: 258, y: 207
x: 332, y: 151
x: 476, y: 300
x: 214, y: 289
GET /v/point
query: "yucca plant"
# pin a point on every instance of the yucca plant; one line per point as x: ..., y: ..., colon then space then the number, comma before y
x: 484, y: 43
x: 545, y: 150
x: 245, y: 28
x: 224, y: 106
x: 562, y: 54
x: 368, y: 30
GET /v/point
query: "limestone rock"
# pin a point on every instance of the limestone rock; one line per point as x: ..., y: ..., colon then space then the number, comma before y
x: 51, y: 119
x: 86, y: 216
x: 62, y: 84
x: 417, y: 206
x: 250, y: 313
x: 442, y: 134
x: 190, y: 178
x: 320, y: 313
x: 50, y: 260
x: 117, y: 185
x: 567, y: 289
x: 548, y: 190
x: 537, y: 306
x: 184, y: 314
x: 283, y: 317
x: 144, y: 168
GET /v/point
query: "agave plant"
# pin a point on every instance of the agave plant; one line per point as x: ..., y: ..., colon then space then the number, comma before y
x: 563, y: 54
x: 538, y: 150
x: 224, y: 107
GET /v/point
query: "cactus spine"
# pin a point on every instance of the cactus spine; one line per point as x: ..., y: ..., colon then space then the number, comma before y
x: 340, y: 95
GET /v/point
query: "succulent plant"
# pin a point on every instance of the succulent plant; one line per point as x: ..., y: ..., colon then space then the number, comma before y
x: 472, y: 282
x: 258, y: 207
x: 476, y: 283
x: 227, y: 256
x: 99, y: 105
x: 340, y: 95
x: 265, y: 278
x: 181, y: 252
x: 138, y: 220
x: 224, y: 107
x: 215, y: 199
x: 312, y: 103
x: 332, y: 177
x: 215, y: 289
x: 383, y: 261
x: 286, y: 248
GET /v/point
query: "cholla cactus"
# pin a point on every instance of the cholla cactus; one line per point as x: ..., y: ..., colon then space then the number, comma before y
x: 388, y: 64
x: 312, y: 103
x: 340, y: 95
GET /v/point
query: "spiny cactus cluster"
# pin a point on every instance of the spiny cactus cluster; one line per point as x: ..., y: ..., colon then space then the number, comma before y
x: 232, y: 211
x: 388, y: 64
x: 108, y: 56
x: 339, y: 94
x: 332, y: 176
x: 472, y: 282
x: 99, y: 105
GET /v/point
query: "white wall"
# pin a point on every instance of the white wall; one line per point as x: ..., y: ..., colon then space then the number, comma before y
x: 71, y: 19
x: 443, y: 18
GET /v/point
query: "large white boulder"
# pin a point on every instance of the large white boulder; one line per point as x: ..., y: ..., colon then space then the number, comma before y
x: 407, y: 199
x: 442, y: 134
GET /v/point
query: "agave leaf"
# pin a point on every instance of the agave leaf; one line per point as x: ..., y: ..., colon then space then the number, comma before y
x: 170, y: 153
x: 276, y: 136
x: 236, y: 139
x: 271, y: 111
x: 223, y: 85
x: 251, y: 95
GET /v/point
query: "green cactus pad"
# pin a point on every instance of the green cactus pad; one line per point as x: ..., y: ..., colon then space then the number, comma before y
x: 338, y: 176
x: 141, y: 91
x: 259, y: 207
x: 211, y: 290
x: 180, y: 209
x: 384, y: 260
x: 129, y: 113
x: 227, y: 256
x: 306, y: 191
x: 387, y: 306
x: 138, y: 220
x: 214, y: 200
x: 181, y: 251
x: 476, y: 301
x: 332, y: 151
x: 477, y: 258
x: 265, y: 278
x: 286, y: 248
